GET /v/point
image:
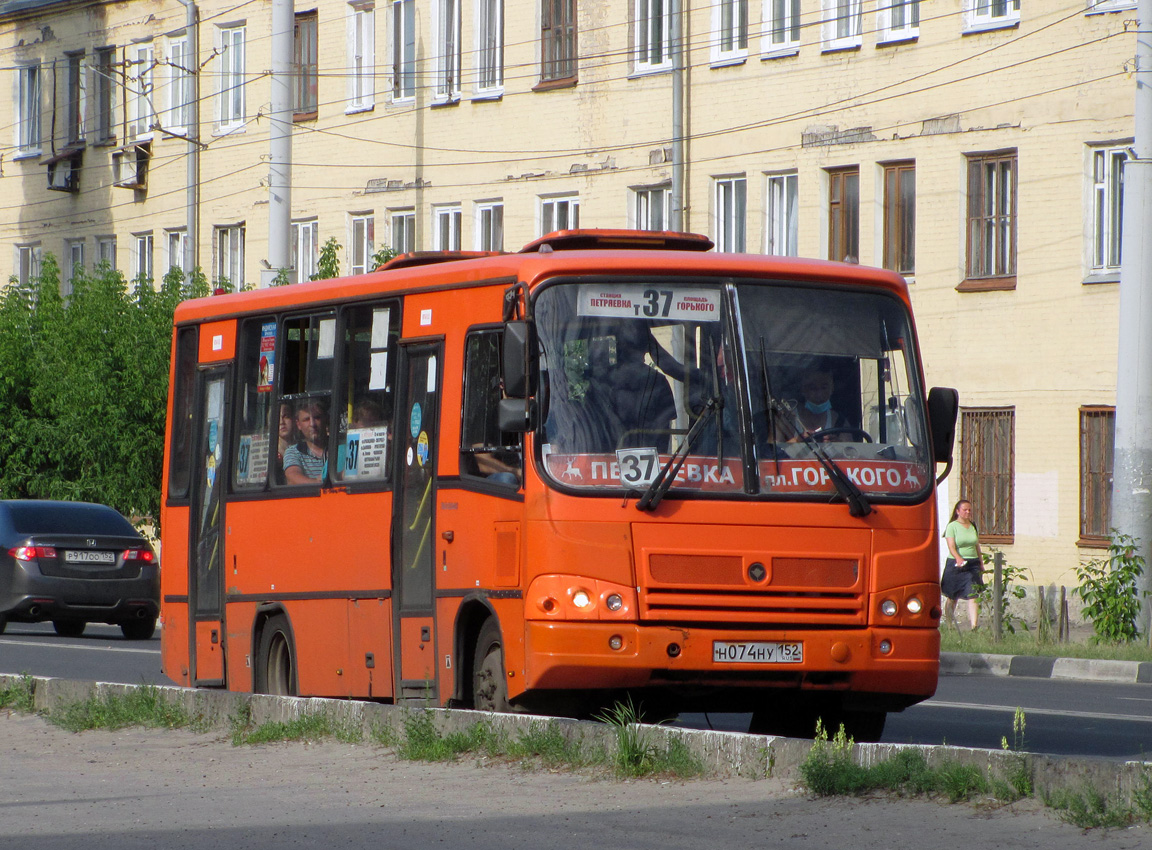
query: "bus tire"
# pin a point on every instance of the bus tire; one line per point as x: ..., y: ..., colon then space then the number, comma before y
x: 69, y: 628
x: 138, y: 629
x: 276, y: 659
x: 489, y: 690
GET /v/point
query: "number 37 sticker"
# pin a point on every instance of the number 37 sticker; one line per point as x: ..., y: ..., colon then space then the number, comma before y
x: 638, y: 467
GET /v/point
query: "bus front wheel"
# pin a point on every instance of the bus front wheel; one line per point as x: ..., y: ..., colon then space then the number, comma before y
x: 489, y: 691
x: 276, y: 673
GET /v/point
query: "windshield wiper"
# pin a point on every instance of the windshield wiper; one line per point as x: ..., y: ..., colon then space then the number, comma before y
x: 858, y: 504
x: 667, y: 474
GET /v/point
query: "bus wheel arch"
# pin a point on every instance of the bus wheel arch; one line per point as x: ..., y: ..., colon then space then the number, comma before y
x: 274, y: 669
x: 473, y: 613
x: 489, y: 689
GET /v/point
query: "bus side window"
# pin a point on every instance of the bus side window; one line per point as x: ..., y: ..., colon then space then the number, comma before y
x: 485, y: 451
x: 308, y: 350
x: 255, y: 413
x: 181, y: 452
x: 364, y: 424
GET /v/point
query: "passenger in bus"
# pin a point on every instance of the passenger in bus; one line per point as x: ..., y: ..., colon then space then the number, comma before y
x: 633, y: 397
x: 285, y: 437
x: 305, y: 461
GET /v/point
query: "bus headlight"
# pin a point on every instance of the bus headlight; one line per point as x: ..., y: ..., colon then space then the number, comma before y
x: 567, y: 597
x: 614, y: 602
x: 580, y: 599
x: 889, y: 608
x: 914, y: 605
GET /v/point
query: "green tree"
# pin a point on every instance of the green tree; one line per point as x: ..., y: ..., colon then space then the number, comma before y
x: 328, y: 266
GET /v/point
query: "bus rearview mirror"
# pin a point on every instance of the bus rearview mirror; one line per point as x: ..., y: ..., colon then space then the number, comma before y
x: 943, y: 405
x: 516, y: 415
x: 516, y: 367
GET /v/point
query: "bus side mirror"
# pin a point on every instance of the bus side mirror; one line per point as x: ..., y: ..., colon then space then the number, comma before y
x: 516, y: 366
x: 516, y: 415
x: 943, y: 404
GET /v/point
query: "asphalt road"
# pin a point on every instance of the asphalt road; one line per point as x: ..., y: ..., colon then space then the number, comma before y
x: 1062, y: 717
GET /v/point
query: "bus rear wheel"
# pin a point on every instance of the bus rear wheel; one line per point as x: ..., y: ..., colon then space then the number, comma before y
x: 489, y: 691
x: 276, y: 673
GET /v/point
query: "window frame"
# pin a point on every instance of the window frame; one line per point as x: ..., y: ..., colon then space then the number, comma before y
x: 76, y: 104
x: 548, y: 209
x: 559, y: 42
x: 305, y: 65
x: 898, y: 220
x: 180, y: 84
x: 729, y: 32
x: 981, y: 15
x: 843, y: 25
x: 892, y: 30
x: 176, y: 245
x: 448, y: 57
x: 361, y: 94
x: 141, y: 74
x: 403, y: 50
x: 231, y: 96
x: 651, y: 36
x: 306, y: 246
x: 1106, y: 185
x: 228, y: 256
x: 730, y: 213
x: 986, y: 221
x: 996, y: 523
x: 28, y: 129
x: 1097, y: 444
x: 362, y: 241
x: 143, y: 255
x: 782, y: 214
x: 104, y: 95
x: 74, y: 249
x: 649, y: 199
x: 403, y: 220
x: 782, y: 27
x: 489, y: 26
x: 447, y: 227
x: 844, y: 214
x: 489, y: 228
x: 106, y: 250
x: 29, y: 262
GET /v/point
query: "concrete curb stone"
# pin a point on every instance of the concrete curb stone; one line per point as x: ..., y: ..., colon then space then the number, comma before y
x: 1045, y: 667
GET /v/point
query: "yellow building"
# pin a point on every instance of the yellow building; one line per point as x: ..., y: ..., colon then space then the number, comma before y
x: 976, y: 146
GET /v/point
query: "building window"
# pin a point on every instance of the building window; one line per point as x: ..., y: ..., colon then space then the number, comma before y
x: 489, y: 46
x: 992, y: 220
x: 28, y: 110
x: 446, y: 228
x: 305, y: 250
x: 558, y: 40
x: 987, y: 468
x: 490, y: 226
x: 77, y: 98
x: 106, y: 250
x: 1107, y: 208
x: 403, y: 49
x: 900, y: 217
x: 361, y: 56
x: 990, y: 14
x: 28, y: 260
x: 842, y: 19
x: 1110, y: 5
x: 228, y: 242
x: 652, y: 34
x: 650, y: 207
x: 404, y: 231
x: 74, y: 252
x: 844, y: 215
x: 142, y: 258
x: 559, y: 214
x: 141, y: 111
x: 361, y: 243
x: 731, y: 214
x: 180, y: 80
x: 781, y: 25
x: 730, y: 23
x: 230, y: 104
x: 782, y: 226
x: 446, y: 25
x: 104, y: 91
x: 1097, y: 440
x: 899, y: 19
x: 305, y: 71
x: 177, y: 241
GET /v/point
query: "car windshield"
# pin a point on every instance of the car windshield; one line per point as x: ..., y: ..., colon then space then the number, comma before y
x: 767, y: 389
x: 28, y: 518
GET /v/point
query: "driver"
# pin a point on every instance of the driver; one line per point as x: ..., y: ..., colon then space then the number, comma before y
x: 815, y: 408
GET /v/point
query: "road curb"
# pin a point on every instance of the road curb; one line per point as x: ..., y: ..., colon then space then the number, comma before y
x: 1045, y: 667
x: 723, y: 754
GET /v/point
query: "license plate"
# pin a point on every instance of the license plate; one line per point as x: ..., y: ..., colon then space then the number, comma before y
x: 74, y: 556
x: 757, y: 652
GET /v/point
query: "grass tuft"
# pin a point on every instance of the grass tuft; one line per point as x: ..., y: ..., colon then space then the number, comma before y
x: 20, y: 695
x: 1088, y: 808
x: 144, y: 706
x: 638, y: 755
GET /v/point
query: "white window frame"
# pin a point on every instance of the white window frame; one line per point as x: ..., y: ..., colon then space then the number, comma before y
x: 402, y: 229
x: 305, y: 259
x: 651, y: 207
x: 176, y: 248
x: 1106, y: 181
x: 231, y: 109
x: 106, y: 250
x: 557, y: 212
x: 29, y: 260
x: 1101, y: 6
x: 361, y: 57
x: 29, y: 84
x: 449, y: 56
x: 77, y: 101
x: 141, y: 110
x: 782, y: 30
x: 180, y: 63
x: 489, y: 25
x: 361, y: 242
x: 652, y: 35
x: 730, y: 31
x: 74, y: 251
x: 489, y: 227
x: 982, y: 15
x: 782, y: 214
x: 228, y: 245
x: 899, y: 20
x: 843, y: 24
x: 403, y: 44
x: 447, y: 227
x: 730, y: 213
x: 104, y: 94
x: 142, y: 251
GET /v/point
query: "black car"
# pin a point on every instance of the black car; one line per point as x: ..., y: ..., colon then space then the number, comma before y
x: 74, y: 563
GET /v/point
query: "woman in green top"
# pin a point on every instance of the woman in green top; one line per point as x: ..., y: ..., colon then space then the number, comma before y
x: 962, y: 577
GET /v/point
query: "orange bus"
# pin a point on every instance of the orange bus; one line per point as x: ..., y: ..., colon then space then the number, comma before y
x: 612, y: 463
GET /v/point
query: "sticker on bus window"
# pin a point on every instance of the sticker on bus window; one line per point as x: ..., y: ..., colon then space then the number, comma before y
x: 415, y: 420
x: 326, y: 345
x: 381, y: 317
x: 364, y: 452
x: 378, y: 376
x: 649, y: 302
x: 638, y: 467
x: 422, y: 450
x: 267, y: 357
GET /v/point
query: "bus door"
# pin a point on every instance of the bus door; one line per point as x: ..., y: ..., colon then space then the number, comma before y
x: 206, y: 556
x: 413, y: 552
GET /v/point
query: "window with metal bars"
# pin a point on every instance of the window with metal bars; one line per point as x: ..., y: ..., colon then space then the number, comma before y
x: 1097, y: 439
x: 558, y: 40
x: 987, y: 466
x: 991, y: 249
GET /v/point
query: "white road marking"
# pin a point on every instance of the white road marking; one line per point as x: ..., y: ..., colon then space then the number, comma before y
x: 55, y: 645
x: 1054, y: 712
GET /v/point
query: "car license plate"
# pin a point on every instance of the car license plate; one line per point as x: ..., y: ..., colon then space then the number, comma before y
x: 757, y: 652
x: 78, y: 556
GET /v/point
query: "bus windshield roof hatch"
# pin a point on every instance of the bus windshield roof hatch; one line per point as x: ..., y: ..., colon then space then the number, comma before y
x: 577, y: 240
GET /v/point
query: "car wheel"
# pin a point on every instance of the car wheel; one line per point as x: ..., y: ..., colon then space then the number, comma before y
x: 139, y: 629
x: 69, y: 628
x: 276, y: 673
x: 489, y: 692
x: 3, y: 624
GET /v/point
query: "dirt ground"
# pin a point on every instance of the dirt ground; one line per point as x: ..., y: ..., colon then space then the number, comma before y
x: 176, y: 789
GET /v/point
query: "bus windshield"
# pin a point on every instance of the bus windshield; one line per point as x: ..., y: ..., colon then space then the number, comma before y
x: 747, y: 389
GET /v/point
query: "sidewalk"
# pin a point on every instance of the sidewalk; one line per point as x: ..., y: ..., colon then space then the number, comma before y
x: 1045, y: 667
